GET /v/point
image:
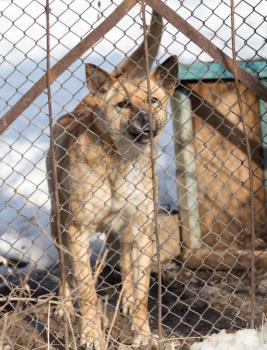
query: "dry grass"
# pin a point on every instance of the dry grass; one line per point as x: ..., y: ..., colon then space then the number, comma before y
x: 29, y: 322
x: 35, y: 327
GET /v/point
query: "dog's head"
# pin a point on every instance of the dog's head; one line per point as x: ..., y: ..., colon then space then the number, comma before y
x: 121, y: 100
x: 122, y: 105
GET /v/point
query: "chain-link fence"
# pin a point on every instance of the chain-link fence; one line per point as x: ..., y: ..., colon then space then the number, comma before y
x: 150, y: 164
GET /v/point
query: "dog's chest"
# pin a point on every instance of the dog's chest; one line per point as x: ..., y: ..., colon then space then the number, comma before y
x: 131, y: 186
x: 105, y: 183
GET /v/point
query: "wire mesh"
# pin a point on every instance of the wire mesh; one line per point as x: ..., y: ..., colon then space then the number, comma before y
x: 105, y: 184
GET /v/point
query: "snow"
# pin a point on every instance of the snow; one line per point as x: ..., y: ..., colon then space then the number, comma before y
x: 245, y: 339
x: 32, y: 245
x: 37, y: 250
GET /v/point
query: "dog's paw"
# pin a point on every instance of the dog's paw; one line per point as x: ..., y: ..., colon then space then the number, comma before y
x: 91, y: 343
x: 61, y: 309
x: 145, y: 341
x: 59, y: 313
x: 127, y: 306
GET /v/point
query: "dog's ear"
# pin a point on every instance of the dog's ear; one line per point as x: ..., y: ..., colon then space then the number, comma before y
x: 166, y: 74
x: 134, y: 66
x: 98, y: 81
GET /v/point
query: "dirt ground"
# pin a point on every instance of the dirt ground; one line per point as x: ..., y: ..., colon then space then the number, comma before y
x: 194, y: 304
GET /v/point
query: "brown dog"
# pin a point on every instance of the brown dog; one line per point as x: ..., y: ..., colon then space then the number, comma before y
x: 105, y: 181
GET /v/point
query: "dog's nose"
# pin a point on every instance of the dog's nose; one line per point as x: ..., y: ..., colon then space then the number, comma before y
x: 142, y: 120
x: 139, y: 127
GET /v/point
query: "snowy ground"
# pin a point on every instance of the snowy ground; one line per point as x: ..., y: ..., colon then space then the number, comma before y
x: 246, y: 339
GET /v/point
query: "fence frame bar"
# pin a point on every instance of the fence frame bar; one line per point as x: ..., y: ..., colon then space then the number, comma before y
x: 65, y: 62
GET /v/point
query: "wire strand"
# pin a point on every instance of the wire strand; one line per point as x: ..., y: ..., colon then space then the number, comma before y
x: 154, y: 181
x: 55, y: 196
x: 248, y: 148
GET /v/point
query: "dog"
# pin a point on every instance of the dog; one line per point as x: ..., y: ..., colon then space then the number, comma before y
x: 104, y: 179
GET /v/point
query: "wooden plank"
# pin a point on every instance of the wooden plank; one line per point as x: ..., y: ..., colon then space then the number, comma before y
x: 223, y: 259
x: 213, y: 117
x: 222, y: 168
x: 263, y: 123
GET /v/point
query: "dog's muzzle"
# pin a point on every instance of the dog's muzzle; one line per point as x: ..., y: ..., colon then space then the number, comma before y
x: 139, y: 128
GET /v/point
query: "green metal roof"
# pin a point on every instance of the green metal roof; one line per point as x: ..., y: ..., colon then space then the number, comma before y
x: 206, y: 71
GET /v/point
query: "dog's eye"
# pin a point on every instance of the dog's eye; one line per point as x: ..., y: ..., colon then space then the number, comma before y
x: 124, y: 104
x: 154, y: 100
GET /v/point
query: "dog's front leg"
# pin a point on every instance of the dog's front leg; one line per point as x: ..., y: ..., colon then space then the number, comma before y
x: 126, y: 271
x: 141, y: 259
x: 90, y: 322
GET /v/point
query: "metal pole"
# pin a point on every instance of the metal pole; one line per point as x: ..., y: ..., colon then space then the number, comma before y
x: 186, y: 170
